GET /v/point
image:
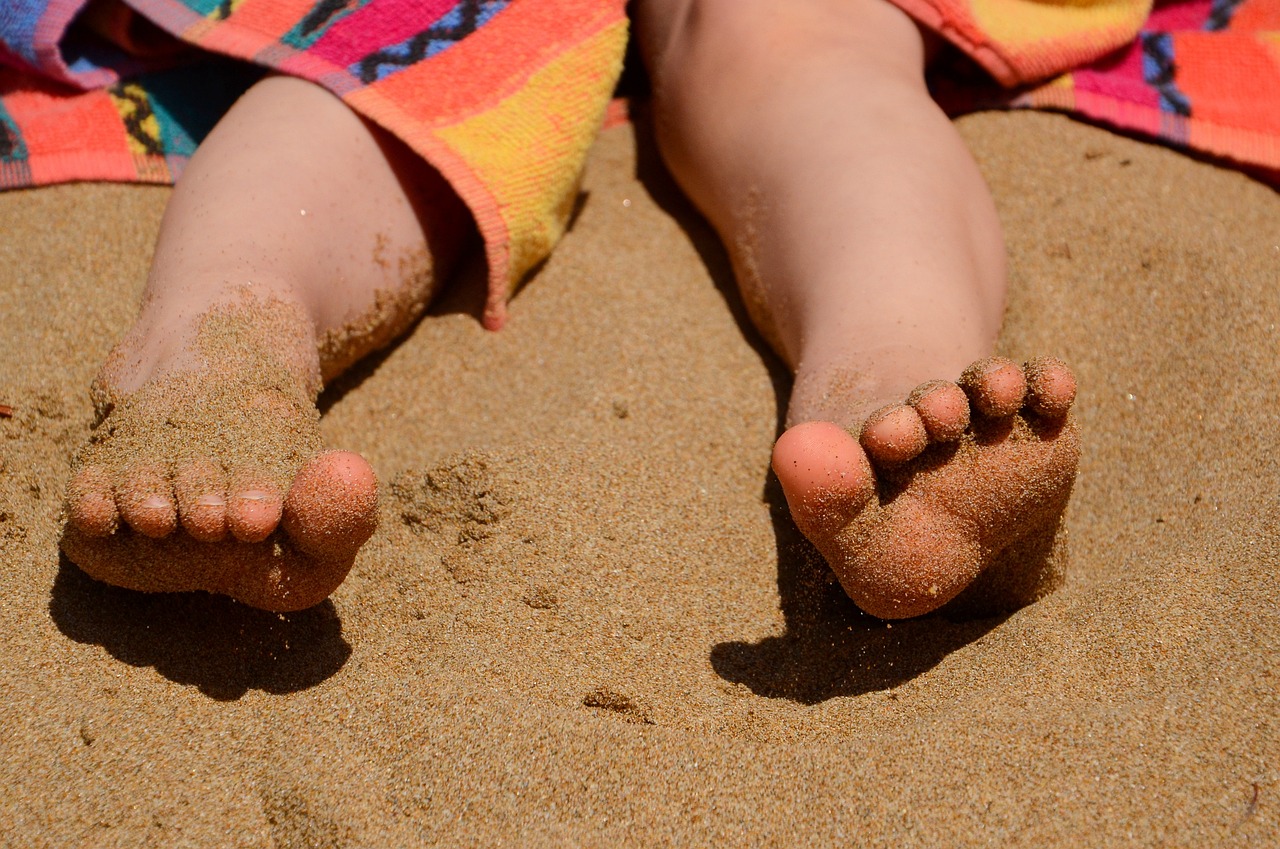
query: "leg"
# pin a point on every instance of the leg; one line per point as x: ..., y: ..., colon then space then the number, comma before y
x: 869, y: 254
x: 298, y: 240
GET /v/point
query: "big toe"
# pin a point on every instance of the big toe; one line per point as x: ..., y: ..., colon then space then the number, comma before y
x: 332, y: 507
x: 825, y: 476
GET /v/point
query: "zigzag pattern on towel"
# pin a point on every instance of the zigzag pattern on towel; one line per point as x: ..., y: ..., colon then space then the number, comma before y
x: 461, y: 21
x: 1159, y: 70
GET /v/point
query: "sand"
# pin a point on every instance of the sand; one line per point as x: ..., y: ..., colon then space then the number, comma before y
x: 585, y: 618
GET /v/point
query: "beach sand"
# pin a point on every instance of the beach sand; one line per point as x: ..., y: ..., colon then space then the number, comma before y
x: 586, y: 619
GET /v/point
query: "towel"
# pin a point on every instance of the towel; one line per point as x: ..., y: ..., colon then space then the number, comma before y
x: 503, y: 97
x: 1199, y: 74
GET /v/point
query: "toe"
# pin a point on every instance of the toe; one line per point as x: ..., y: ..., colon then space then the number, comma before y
x: 253, y: 507
x: 996, y: 387
x: 824, y: 474
x: 1051, y: 387
x: 894, y: 434
x: 145, y: 498
x: 91, y: 507
x: 943, y: 408
x: 332, y: 507
x: 201, y: 488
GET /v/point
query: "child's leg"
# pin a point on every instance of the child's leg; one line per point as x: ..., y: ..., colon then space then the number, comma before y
x: 868, y: 252
x: 298, y: 240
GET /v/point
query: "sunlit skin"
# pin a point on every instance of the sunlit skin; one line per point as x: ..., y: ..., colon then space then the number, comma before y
x: 863, y: 238
x: 280, y: 218
x: 869, y: 255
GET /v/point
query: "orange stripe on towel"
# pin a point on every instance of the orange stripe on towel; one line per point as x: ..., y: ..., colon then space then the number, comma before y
x: 492, y: 63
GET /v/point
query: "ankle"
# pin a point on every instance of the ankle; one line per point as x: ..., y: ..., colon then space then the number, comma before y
x: 241, y: 332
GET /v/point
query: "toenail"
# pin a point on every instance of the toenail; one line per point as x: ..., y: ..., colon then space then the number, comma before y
x: 254, y: 495
x: 155, y: 502
x: 211, y: 501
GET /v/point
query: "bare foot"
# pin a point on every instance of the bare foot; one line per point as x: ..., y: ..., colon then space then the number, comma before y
x: 205, y: 470
x: 963, y: 480
x: 299, y: 239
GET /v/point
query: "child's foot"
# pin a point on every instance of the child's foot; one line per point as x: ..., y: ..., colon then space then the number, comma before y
x: 939, y: 489
x: 205, y: 470
x: 299, y: 239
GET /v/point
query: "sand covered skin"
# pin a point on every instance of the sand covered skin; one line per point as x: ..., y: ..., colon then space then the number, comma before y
x: 247, y: 398
x: 585, y: 618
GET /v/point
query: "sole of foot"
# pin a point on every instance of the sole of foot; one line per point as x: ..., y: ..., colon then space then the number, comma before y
x: 957, y: 491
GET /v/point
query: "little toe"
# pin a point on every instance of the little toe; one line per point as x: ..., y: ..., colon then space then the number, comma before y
x: 253, y: 507
x: 943, y: 408
x: 996, y: 387
x: 145, y: 499
x: 1051, y: 387
x: 824, y: 474
x: 91, y: 507
x: 201, y: 488
x: 894, y: 434
x: 332, y: 506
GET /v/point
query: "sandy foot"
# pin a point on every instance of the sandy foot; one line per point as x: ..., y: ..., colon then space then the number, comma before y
x: 213, y: 477
x: 963, y: 480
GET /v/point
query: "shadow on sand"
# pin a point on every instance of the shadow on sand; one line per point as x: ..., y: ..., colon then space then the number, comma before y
x: 220, y: 646
x: 831, y: 648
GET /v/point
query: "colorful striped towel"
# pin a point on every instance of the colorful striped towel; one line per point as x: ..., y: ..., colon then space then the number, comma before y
x: 1199, y: 74
x: 503, y: 97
